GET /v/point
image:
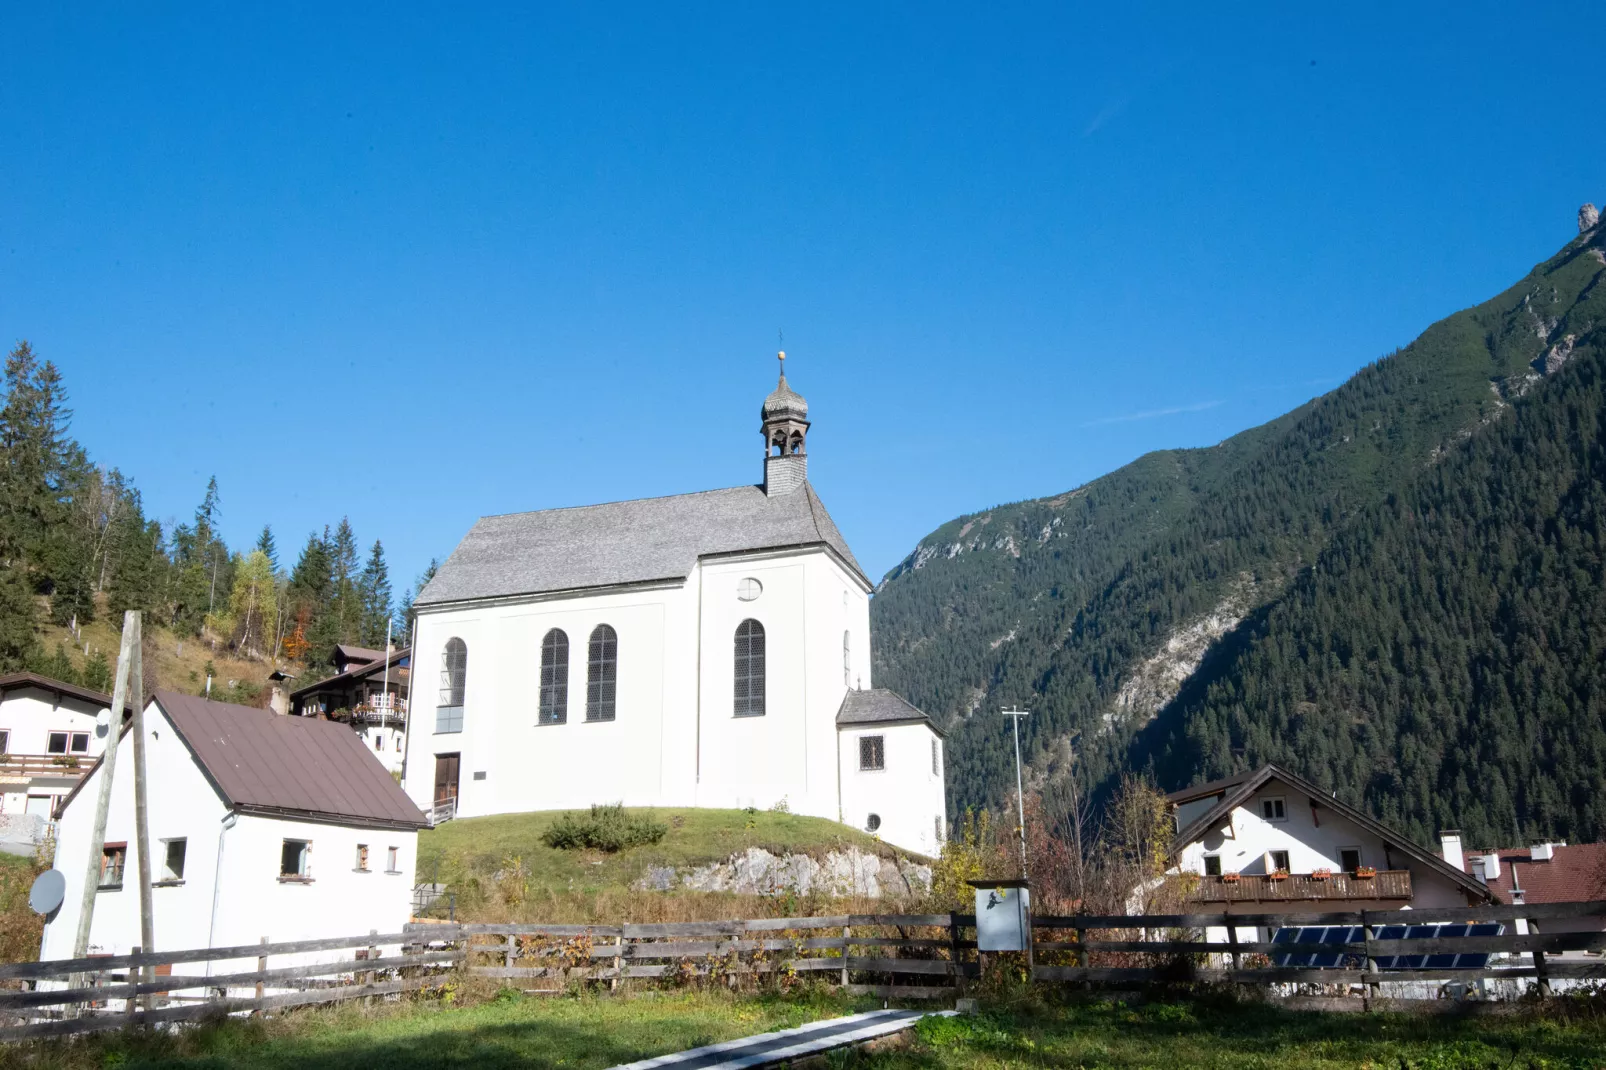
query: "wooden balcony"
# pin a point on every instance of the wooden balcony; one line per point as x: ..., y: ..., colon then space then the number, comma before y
x: 29, y: 766
x: 1259, y: 888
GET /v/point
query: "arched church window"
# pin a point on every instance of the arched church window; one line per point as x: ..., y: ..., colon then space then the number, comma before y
x: 602, y: 674
x: 555, y: 677
x: 454, y: 683
x: 750, y: 669
x: 796, y: 445
x: 847, y: 658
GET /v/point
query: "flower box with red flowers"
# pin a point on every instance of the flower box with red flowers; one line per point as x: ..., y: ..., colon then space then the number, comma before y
x: 1229, y: 878
x: 1277, y: 875
x: 1323, y: 874
x: 1366, y: 873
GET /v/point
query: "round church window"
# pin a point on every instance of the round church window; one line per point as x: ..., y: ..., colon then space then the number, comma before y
x: 749, y: 589
x: 872, y: 823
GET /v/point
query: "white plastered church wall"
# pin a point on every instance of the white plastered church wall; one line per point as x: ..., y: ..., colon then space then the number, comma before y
x: 905, y: 794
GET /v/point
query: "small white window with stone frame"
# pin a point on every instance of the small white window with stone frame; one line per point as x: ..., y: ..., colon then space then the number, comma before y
x: 1274, y: 808
x: 872, y: 754
x: 393, y: 860
x: 1277, y: 862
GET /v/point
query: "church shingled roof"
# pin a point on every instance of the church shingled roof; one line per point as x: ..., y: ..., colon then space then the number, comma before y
x: 639, y: 541
x: 784, y: 401
x: 877, y: 705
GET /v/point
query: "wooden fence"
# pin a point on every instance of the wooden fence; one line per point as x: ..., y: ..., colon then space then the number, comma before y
x: 908, y: 956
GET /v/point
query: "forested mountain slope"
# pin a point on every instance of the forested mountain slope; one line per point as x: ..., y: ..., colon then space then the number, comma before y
x: 1094, y: 606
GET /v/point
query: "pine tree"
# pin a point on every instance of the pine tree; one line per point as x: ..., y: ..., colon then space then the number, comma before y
x: 405, y: 613
x: 374, y: 595
x: 266, y: 545
x: 19, y: 644
x: 313, y: 628
x: 347, y: 604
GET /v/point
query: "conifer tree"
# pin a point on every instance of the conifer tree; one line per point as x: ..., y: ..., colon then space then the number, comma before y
x: 266, y: 544
x: 405, y: 613
x: 374, y: 595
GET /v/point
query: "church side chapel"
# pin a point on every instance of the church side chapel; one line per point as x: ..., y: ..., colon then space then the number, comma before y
x: 706, y: 650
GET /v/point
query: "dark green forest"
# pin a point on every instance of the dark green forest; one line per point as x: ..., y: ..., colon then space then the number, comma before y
x: 1414, y: 556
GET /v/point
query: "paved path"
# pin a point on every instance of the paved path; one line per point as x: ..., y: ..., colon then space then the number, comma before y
x: 787, y: 1044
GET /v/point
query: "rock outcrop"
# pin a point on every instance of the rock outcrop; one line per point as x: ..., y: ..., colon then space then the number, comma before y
x: 755, y: 871
x: 1588, y: 216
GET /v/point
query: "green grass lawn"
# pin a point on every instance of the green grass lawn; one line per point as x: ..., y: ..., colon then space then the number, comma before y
x: 596, y: 1032
x: 469, y: 854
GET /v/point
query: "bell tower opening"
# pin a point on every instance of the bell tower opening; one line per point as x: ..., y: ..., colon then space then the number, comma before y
x: 785, y: 427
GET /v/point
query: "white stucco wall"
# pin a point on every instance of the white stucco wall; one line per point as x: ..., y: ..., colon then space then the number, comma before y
x: 1313, y: 841
x: 249, y: 902
x: 906, y: 794
x: 28, y: 716
x: 675, y: 740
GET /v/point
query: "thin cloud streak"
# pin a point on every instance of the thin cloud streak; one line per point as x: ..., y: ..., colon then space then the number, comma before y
x: 1152, y: 414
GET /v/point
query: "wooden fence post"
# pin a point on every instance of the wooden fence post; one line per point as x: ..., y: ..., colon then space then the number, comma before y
x: 618, y: 960
x: 1373, y: 987
x: 847, y: 931
x: 262, y: 967
x: 1541, y: 968
x: 955, y: 952
x: 1232, y: 941
x: 135, y: 973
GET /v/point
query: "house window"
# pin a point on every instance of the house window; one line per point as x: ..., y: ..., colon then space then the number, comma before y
x: 750, y: 669
x: 872, y: 822
x: 749, y: 589
x: 936, y: 827
x: 1272, y: 809
x: 295, y: 860
x: 362, y: 858
x: 936, y: 758
x: 555, y: 677
x: 57, y: 744
x: 173, y: 859
x: 80, y: 742
x: 5, y: 742
x: 602, y: 674
x: 847, y: 658
x: 1349, y: 859
x: 1212, y: 864
x: 872, y: 753
x: 1278, y: 861
x: 113, y: 856
x: 454, y: 686
x: 379, y: 743
x: 391, y: 859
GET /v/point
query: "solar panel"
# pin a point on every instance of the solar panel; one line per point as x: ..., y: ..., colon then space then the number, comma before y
x: 1312, y: 936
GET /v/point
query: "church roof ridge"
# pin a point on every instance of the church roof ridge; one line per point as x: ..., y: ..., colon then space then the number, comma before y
x: 619, y: 501
x: 638, y: 540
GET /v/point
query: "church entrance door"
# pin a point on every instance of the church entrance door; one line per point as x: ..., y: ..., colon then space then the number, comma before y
x: 446, y: 766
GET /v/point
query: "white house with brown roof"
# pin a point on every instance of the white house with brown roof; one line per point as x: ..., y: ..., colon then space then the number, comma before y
x: 1269, y: 841
x: 262, y: 826
x: 49, y: 737
x: 707, y: 650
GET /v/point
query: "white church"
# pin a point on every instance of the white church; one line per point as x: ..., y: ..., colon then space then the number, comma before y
x: 698, y: 650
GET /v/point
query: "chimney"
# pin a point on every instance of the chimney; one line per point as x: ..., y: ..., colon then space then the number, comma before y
x: 1450, y: 848
x: 1491, y: 867
x: 1540, y: 852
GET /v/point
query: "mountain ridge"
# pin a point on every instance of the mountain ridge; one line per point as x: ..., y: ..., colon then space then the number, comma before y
x: 1055, y: 601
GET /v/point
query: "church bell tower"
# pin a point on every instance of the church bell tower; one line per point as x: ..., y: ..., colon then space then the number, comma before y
x: 786, y: 430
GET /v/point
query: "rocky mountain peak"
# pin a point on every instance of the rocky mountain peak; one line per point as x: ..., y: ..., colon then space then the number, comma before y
x: 1588, y: 216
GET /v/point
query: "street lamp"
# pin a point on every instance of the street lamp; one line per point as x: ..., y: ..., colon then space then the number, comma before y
x: 1020, y: 791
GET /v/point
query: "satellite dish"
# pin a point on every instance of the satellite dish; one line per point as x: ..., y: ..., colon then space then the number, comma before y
x: 103, y: 719
x: 49, y: 889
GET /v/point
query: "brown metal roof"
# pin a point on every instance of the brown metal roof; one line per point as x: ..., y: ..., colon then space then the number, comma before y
x: 18, y: 680
x: 262, y: 762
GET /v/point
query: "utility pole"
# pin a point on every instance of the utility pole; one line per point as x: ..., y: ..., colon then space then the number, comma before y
x: 142, y: 822
x: 1020, y: 791
x: 126, y: 656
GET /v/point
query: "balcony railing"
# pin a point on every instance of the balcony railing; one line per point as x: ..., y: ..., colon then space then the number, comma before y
x: 18, y: 766
x: 1254, y: 888
x: 383, y: 713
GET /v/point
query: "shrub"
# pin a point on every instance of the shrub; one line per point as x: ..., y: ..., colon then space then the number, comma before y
x: 606, y: 828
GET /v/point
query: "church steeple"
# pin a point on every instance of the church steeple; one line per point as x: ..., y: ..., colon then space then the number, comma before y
x: 785, y: 417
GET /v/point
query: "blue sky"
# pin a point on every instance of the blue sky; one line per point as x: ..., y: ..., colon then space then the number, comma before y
x: 414, y: 265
